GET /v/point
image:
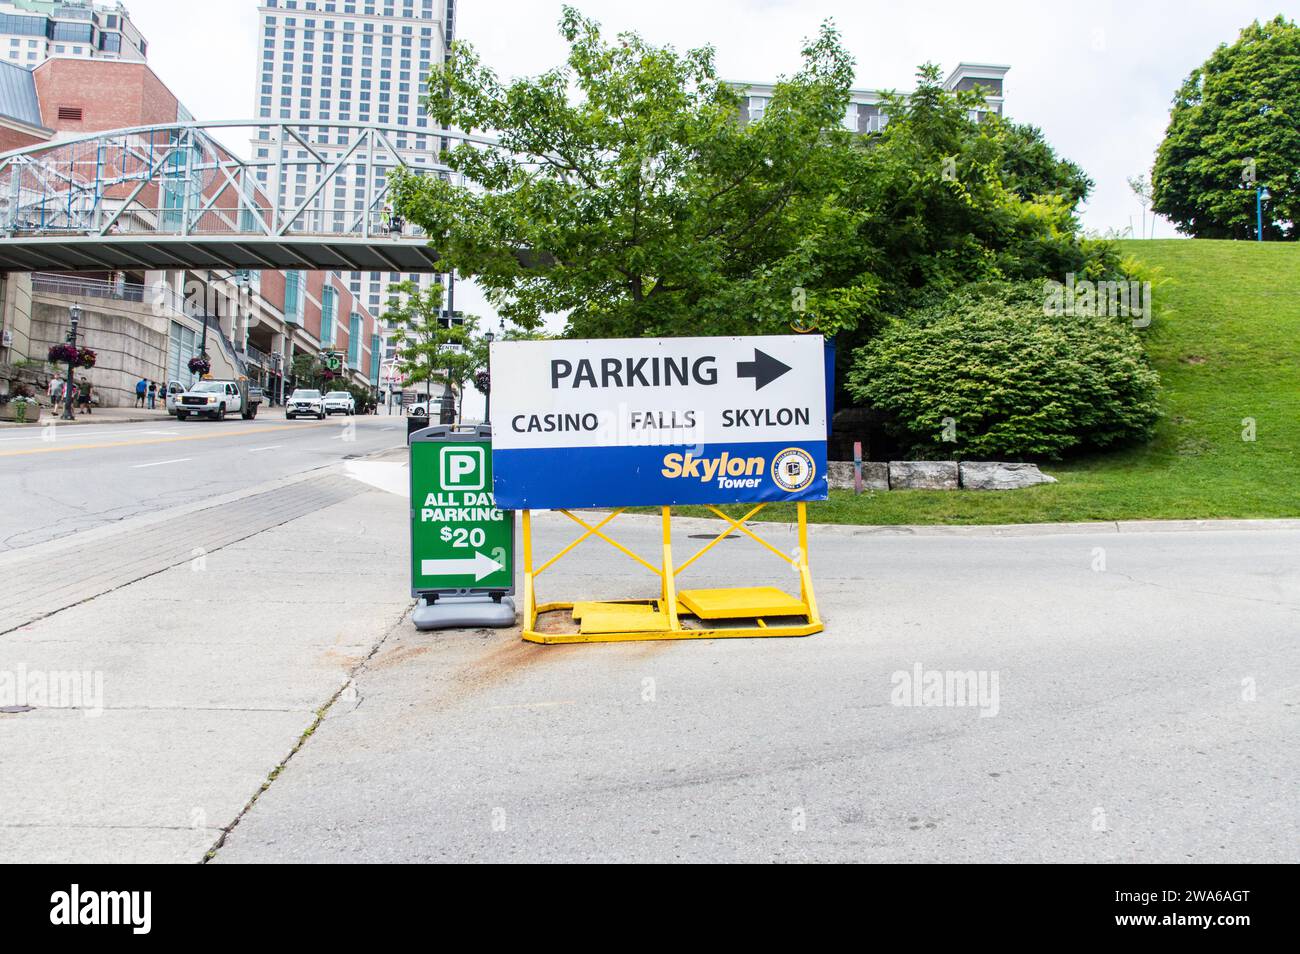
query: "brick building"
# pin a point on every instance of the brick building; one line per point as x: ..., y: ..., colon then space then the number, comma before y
x: 150, y: 323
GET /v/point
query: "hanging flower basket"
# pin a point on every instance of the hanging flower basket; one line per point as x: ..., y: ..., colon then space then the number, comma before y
x: 483, y: 382
x: 86, y: 358
x: 328, y: 375
x: 63, y: 353
x: 199, y: 365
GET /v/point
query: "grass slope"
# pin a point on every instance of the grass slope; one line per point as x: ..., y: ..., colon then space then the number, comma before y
x: 1227, y: 348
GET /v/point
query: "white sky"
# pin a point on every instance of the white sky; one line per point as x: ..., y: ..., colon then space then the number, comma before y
x: 1097, y: 76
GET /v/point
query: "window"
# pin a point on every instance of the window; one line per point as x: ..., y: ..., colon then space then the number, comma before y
x: 354, y: 341
x: 294, y: 296
x: 328, y: 308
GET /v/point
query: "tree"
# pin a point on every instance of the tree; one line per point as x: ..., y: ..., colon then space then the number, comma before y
x: 1141, y: 186
x: 1031, y: 168
x: 430, y: 346
x: 644, y: 205
x: 1233, y: 130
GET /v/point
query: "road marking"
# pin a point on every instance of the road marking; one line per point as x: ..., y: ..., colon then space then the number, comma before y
x: 161, y: 440
x: 159, y: 463
x: 254, y: 450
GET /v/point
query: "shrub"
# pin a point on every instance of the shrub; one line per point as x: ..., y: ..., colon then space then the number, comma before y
x: 989, y: 370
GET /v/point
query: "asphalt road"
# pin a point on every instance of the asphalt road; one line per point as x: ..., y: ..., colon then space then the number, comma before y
x: 57, y: 482
x: 1137, y: 699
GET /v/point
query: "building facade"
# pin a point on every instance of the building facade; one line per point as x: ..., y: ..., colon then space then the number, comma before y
x: 352, y: 61
x: 865, y: 113
x: 33, y: 31
x: 150, y: 323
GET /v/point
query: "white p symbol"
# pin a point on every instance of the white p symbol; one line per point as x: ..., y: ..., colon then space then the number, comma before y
x: 459, y: 465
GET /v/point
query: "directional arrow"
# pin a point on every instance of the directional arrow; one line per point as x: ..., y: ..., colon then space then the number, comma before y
x: 764, y: 369
x: 480, y: 566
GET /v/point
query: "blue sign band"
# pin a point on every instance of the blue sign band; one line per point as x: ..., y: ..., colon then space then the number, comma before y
x: 555, y: 477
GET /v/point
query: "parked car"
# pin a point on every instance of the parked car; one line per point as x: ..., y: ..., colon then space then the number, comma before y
x: 216, y: 399
x: 340, y: 402
x: 305, y: 402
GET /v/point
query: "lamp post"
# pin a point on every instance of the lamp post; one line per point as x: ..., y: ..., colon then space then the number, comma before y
x: 1260, y: 195
x: 74, y: 316
x: 447, y: 410
x: 487, y: 392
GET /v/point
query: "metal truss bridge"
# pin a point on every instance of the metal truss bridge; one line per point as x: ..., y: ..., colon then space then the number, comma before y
x: 314, y: 196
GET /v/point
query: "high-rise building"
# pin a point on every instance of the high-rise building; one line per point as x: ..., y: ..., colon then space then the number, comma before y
x: 351, y: 61
x: 32, y: 31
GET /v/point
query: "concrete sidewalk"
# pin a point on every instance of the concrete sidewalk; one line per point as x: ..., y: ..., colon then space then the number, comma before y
x: 100, y: 415
x: 190, y: 686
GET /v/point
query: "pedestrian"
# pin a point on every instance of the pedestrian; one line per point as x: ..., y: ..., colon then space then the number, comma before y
x: 83, y: 395
x: 153, y: 393
x: 140, y: 388
x: 55, y: 391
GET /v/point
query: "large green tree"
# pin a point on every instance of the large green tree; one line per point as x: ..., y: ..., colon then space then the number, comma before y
x: 1235, y: 127
x: 627, y: 192
x: 634, y: 193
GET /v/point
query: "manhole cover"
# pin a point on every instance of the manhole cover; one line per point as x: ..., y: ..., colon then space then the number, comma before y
x: 16, y: 708
x: 710, y: 536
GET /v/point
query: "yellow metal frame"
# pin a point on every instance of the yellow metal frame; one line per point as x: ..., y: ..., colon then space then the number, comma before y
x: 667, y: 572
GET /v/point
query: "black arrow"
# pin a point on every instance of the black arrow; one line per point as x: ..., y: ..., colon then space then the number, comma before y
x: 764, y: 369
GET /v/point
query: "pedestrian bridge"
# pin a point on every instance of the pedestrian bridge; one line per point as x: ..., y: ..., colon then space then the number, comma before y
x: 173, y: 196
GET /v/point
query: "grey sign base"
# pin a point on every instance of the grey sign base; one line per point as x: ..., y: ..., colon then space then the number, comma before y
x: 463, y: 612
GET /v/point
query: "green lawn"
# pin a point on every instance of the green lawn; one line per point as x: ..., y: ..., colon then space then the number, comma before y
x: 1227, y: 347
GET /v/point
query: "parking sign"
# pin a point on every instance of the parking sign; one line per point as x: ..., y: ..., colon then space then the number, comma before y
x: 461, y: 541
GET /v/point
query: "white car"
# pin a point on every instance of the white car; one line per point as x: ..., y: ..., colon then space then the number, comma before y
x: 305, y: 402
x: 340, y: 402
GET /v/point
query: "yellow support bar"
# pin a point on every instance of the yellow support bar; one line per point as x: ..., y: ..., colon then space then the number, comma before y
x: 556, y: 558
x: 718, y: 539
x: 639, y: 620
x: 613, y: 543
x: 785, y: 557
x: 668, y: 577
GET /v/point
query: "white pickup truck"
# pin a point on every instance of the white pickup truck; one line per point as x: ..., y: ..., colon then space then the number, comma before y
x: 216, y: 399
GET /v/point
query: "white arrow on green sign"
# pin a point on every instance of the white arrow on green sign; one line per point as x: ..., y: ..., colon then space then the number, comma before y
x: 480, y: 565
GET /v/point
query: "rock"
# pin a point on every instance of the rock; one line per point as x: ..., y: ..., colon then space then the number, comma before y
x: 923, y: 474
x: 992, y: 475
x: 875, y: 475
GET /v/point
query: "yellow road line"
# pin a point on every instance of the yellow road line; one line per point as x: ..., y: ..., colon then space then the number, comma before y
x: 160, y: 440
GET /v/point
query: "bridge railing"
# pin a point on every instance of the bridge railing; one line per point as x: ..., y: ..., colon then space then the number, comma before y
x: 307, y: 178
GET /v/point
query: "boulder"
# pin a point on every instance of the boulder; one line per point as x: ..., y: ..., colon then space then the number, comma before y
x: 923, y: 474
x: 875, y: 475
x: 992, y: 475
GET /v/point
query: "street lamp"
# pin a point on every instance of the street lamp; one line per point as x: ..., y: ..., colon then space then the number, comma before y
x: 74, y: 316
x: 1261, y: 194
x: 487, y: 392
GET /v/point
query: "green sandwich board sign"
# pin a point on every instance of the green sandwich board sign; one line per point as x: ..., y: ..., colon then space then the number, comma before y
x: 460, y: 541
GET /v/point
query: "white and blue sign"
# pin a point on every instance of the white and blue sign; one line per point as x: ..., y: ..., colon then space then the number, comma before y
x: 658, y: 421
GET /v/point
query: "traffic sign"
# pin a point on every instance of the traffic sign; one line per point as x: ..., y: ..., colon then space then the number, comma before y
x: 621, y: 422
x: 461, y: 541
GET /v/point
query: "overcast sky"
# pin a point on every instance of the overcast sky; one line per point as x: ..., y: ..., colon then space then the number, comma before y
x: 1097, y: 76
